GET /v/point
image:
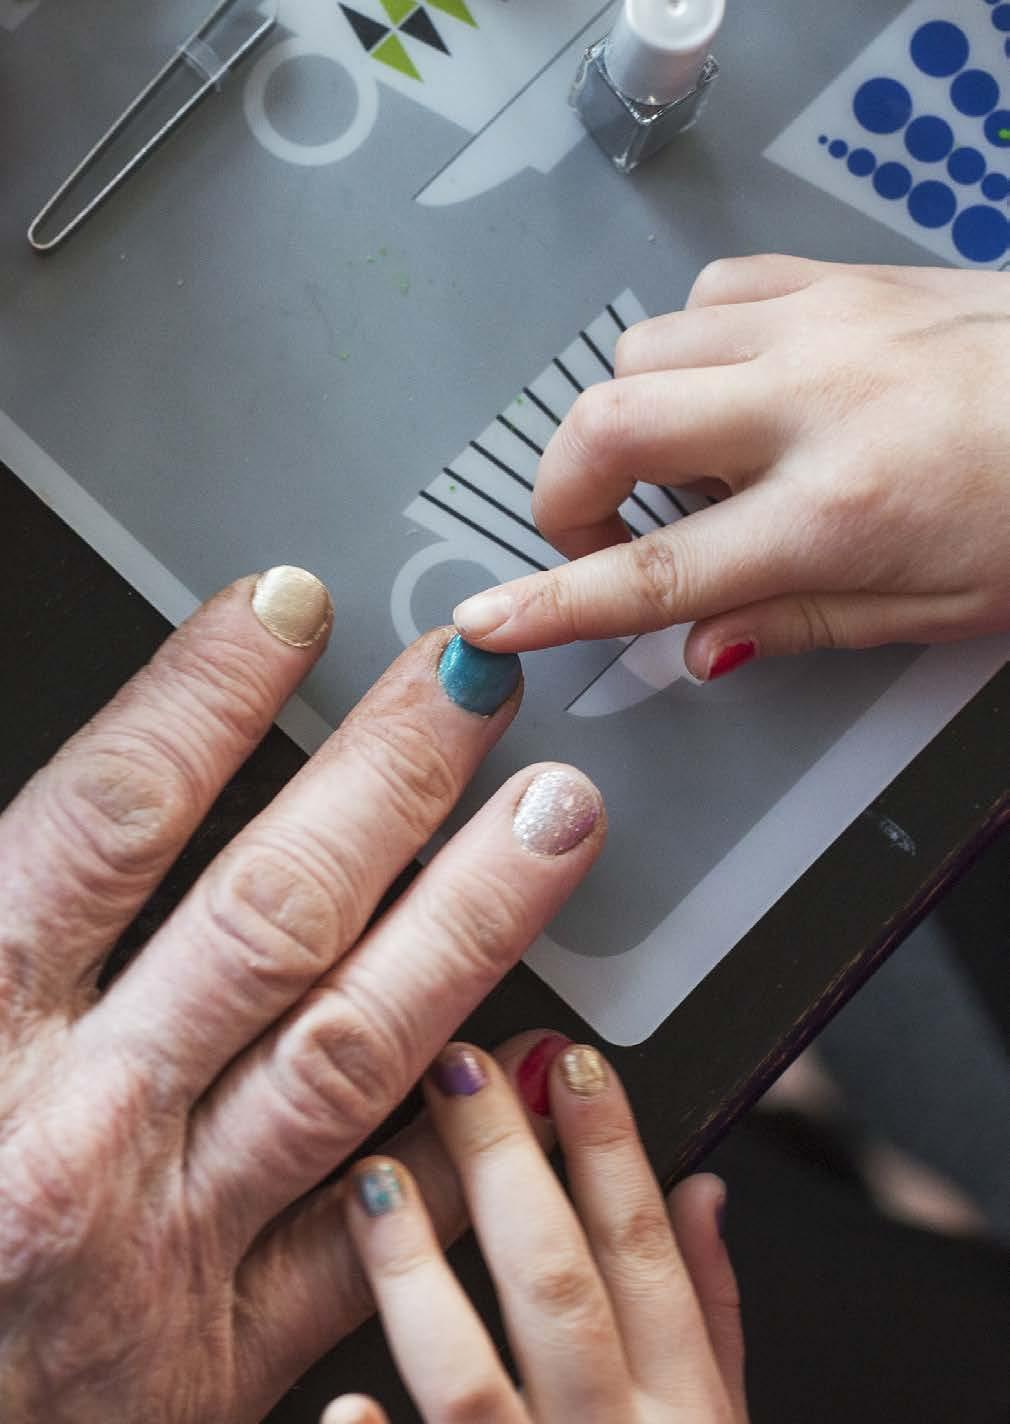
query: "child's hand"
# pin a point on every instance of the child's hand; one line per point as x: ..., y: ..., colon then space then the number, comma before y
x: 859, y: 418
x: 613, y: 1313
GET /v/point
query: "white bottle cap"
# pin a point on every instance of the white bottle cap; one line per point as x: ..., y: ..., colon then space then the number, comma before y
x: 656, y: 49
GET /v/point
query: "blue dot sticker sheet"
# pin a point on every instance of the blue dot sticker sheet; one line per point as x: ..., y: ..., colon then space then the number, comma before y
x: 916, y: 131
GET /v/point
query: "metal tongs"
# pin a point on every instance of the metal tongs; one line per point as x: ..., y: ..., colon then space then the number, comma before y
x: 199, y: 65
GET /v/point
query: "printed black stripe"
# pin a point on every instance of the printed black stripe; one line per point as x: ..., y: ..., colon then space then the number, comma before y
x: 592, y: 683
x: 637, y: 499
x: 490, y: 499
x: 520, y: 434
x: 541, y: 406
x: 597, y: 352
x: 472, y: 524
x: 677, y: 503
x: 612, y: 313
x: 501, y: 465
x: 568, y: 375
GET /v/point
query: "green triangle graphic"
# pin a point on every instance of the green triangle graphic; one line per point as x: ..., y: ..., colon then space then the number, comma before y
x: 456, y: 8
x: 398, y: 10
x: 392, y: 52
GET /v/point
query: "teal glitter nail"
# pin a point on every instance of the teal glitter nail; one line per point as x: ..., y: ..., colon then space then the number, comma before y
x: 475, y: 680
x: 379, y: 1189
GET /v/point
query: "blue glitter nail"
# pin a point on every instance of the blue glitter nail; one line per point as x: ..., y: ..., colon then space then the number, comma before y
x: 478, y: 681
x: 379, y: 1189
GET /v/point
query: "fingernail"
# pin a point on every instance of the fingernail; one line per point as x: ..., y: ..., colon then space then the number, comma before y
x: 583, y: 1071
x: 482, y: 614
x: 351, y: 1409
x: 293, y: 605
x: 379, y: 1188
x: 477, y: 681
x: 557, y: 811
x: 534, y: 1071
x: 457, y: 1072
x: 730, y: 657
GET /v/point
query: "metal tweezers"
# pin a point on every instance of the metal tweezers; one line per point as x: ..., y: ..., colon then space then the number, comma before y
x: 197, y: 55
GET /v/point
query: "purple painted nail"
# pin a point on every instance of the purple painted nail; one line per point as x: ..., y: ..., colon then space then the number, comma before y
x: 457, y: 1072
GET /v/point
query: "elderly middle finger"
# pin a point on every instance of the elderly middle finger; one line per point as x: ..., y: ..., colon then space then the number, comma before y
x: 293, y: 891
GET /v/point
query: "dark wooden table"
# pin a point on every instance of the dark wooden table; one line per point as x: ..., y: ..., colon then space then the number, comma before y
x: 72, y: 631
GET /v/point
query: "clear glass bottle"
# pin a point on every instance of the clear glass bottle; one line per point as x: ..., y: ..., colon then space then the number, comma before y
x: 629, y: 130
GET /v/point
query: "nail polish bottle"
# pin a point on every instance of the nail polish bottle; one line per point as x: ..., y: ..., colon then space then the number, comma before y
x: 648, y: 79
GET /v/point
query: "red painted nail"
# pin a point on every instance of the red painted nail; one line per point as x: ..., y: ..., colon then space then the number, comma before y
x: 731, y: 657
x: 534, y: 1071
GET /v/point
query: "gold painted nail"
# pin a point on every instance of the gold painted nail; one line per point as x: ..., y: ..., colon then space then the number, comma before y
x: 584, y: 1071
x: 293, y: 605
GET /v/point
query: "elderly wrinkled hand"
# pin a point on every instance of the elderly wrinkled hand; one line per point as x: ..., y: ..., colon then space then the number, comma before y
x: 155, y: 1135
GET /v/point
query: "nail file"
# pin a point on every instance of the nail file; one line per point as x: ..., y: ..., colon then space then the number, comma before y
x: 199, y: 65
x: 479, y: 506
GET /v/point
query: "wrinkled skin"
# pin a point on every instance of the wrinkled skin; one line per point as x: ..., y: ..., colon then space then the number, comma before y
x: 153, y: 1138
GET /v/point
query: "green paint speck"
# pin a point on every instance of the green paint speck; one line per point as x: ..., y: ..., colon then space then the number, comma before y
x: 370, y: 259
x: 345, y: 355
x: 452, y: 489
x: 383, y: 251
x: 404, y: 284
x: 1004, y: 134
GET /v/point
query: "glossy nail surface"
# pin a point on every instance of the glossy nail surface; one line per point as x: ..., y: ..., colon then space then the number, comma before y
x: 483, y: 613
x: 293, y: 605
x: 379, y: 1188
x: 728, y: 658
x: 558, y: 810
x: 583, y: 1071
x: 477, y: 681
x: 534, y: 1071
x: 458, y: 1072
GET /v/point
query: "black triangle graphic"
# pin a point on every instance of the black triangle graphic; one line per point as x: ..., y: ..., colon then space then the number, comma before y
x: 368, y: 31
x: 419, y: 27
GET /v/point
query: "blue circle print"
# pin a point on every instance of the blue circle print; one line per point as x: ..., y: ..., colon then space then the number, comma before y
x: 929, y: 138
x: 932, y: 204
x: 882, y: 106
x: 1001, y: 17
x: 966, y: 165
x: 981, y: 234
x: 838, y: 148
x: 892, y: 180
x: 940, y: 48
x: 997, y: 128
x: 861, y: 162
x: 996, y: 187
x: 975, y: 92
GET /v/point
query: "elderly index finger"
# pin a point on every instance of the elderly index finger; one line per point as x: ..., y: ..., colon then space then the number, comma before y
x: 90, y: 836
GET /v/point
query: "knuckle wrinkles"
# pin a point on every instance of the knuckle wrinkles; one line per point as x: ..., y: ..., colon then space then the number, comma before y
x: 471, y: 1402
x: 284, y: 925
x: 126, y: 809
x: 420, y: 780
x: 563, y: 1287
x: 481, y: 920
x: 641, y: 1240
x: 342, y: 1069
x: 816, y: 625
x: 222, y: 680
x: 553, y: 599
x: 660, y: 576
